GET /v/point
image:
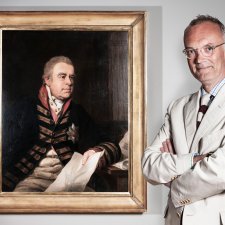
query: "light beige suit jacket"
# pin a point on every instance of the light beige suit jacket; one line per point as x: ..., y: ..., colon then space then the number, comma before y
x: 198, y: 191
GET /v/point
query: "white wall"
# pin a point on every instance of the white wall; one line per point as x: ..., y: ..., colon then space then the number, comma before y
x: 168, y: 79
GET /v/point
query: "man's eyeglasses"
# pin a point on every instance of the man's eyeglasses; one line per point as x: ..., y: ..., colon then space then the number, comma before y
x: 206, y: 51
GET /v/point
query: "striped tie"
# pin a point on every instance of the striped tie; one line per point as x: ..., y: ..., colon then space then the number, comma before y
x: 205, y: 102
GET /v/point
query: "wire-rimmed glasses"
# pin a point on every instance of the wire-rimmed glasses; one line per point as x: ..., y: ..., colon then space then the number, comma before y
x: 206, y: 50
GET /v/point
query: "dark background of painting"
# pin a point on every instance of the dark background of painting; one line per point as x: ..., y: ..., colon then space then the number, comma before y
x: 101, y: 65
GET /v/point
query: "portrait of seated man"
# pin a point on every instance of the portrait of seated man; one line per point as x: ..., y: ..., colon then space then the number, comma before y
x: 45, y: 135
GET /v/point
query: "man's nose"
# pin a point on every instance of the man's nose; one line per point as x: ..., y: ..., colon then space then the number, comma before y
x: 69, y: 80
x: 199, y: 57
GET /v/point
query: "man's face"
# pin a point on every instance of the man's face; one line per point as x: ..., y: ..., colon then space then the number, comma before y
x: 62, y: 80
x: 211, y: 69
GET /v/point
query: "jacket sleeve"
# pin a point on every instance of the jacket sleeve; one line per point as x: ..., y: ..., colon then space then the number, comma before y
x: 159, y: 168
x: 209, y: 174
x: 92, y: 136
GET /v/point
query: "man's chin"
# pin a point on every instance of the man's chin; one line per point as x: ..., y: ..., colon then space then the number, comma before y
x: 203, y: 75
x: 205, y: 79
x: 204, y: 71
x: 65, y: 97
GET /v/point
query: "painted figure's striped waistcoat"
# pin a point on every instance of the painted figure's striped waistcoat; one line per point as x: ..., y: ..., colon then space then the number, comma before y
x: 51, y: 134
x: 41, y: 133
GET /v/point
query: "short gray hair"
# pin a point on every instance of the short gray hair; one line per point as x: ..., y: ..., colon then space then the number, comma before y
x: 205, y: 18
x: 49, y: 65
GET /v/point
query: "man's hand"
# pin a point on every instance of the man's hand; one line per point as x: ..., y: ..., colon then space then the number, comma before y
x: 87, y: 154
x: 167, y: 146
x: 198, y: 158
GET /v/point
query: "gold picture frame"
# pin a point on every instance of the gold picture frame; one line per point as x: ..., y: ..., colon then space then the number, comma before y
x: 133, y: 200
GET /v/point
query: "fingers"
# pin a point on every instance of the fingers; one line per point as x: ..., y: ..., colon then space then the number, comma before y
x: 167, y: 146
x: 84, y: 159
x: 170, y: 146
x: 198, y: 158
x: 162, y: 149
x: 86, y: 156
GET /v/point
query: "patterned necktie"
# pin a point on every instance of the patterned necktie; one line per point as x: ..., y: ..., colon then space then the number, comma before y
x: 206, y: 100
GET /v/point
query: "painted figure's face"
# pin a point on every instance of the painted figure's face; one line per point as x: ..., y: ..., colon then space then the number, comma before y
x: 208, y: 68
x: 62, y: 81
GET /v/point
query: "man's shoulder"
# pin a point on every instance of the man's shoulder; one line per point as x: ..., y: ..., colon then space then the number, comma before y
x: 182, y: 101
x: 186, y: 98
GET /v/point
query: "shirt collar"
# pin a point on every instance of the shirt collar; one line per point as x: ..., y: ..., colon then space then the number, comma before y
x: 55, y: 103
x: 215, y: 89
x: 43, y: 97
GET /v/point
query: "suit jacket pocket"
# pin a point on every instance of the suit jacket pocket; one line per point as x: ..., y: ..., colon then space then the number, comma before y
x: 212, y: 141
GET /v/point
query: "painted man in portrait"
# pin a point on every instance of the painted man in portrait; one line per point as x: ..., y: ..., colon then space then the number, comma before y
x: 42, y: 135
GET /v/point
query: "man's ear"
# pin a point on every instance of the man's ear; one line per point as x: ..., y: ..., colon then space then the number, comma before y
x: 47, y: 80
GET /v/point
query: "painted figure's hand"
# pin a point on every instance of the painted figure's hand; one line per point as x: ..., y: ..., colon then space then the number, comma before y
x: 87, y: 155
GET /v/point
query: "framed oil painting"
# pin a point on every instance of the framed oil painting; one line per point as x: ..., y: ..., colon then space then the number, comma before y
x: 42, y: 149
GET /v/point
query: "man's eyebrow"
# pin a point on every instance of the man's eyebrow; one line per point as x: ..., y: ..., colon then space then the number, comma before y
x: 61, y: 74
x: 208, y: 44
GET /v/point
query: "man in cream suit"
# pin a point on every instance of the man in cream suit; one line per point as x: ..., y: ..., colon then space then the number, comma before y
x: 188, y: 154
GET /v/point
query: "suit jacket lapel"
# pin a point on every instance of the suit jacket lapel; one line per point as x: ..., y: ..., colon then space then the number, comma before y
x: 190, y: 117
x: 213, y: 115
